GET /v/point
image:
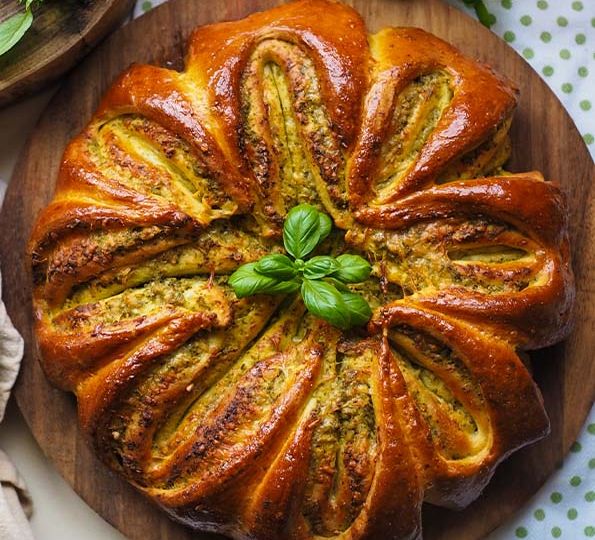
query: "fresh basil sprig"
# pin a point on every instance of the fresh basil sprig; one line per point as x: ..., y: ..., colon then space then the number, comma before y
x: 14, y: 28
x: 321, y: 279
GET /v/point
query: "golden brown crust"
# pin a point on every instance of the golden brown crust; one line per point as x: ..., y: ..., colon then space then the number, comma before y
x: 403, y: 55
x: 340, y: 58
x: 251, y: 417
x: 509, y: 404
x: 531, y: 215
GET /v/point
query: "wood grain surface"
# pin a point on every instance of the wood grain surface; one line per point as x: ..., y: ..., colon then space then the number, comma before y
x: 544, y: 138
x: 63, y: 31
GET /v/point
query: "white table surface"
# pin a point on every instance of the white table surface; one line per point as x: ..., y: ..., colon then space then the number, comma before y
x: 59, y: 514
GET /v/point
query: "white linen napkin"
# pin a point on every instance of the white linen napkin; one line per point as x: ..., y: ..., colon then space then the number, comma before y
x: 15, y: 503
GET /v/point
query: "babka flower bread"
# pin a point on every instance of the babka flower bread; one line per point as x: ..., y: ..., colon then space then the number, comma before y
x: 250, y: 416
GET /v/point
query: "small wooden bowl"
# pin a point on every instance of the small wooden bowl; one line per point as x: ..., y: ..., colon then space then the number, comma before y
x: 63, y: 31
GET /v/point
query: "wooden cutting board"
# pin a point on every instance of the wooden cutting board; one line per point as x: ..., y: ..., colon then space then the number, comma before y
x: 63, y: 31
x: 544, y: 138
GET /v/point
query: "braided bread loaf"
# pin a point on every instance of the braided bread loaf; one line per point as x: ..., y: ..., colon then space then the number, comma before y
x: 252, y: 417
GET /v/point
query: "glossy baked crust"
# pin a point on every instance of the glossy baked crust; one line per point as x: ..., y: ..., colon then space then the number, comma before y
x: 251, y: 417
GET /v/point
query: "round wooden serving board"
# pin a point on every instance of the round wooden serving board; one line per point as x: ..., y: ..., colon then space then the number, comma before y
x: 544, y: 138
x: 63, y: 31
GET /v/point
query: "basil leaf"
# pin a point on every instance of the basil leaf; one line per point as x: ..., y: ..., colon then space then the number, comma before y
x: 325, y: 225
x: 326, y: 302
x: 339, y: 285
x: 284, y: 287
x: 301, y: 231
x: 276, y: 266
x: 246, y: 281
x: 352, y: 268
x: 358, y: 308
x: 320, y: 266
x: 13, y: 29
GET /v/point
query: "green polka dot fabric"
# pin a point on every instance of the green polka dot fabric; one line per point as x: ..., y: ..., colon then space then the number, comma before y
x: 557, y: 37
x: 565, y: 506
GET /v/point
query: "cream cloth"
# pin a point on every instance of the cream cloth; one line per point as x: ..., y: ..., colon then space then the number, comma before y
x: 15, y: 503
